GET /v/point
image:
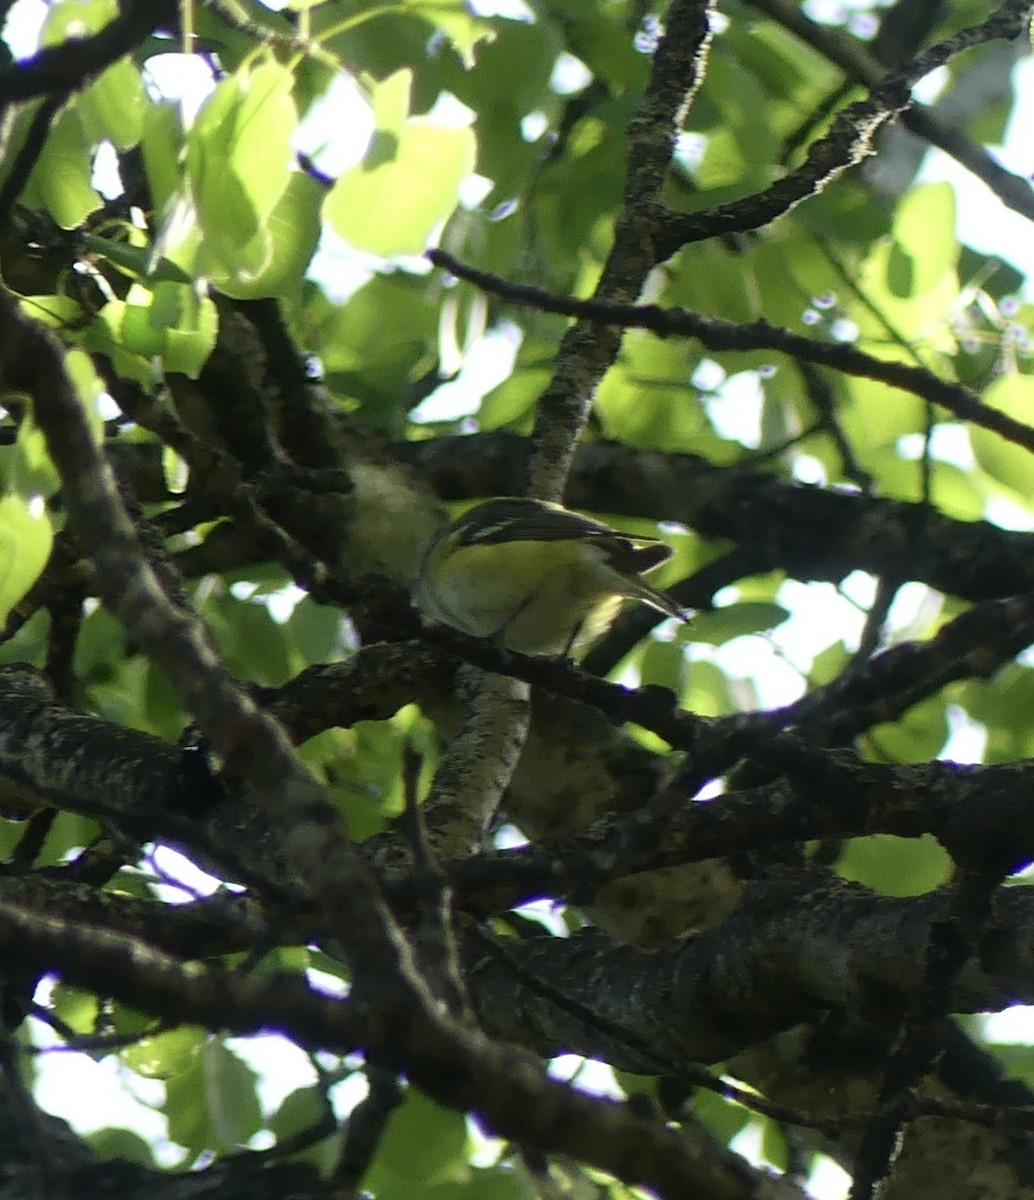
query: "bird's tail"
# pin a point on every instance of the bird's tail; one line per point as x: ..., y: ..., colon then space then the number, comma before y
x: 646, y: 559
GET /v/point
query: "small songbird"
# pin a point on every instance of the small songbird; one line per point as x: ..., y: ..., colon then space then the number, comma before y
x: 536, y: 577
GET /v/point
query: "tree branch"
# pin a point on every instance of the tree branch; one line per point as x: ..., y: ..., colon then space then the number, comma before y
x: 718, y: 334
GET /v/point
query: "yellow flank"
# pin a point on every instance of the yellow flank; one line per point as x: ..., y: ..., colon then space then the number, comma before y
x: 530, y: 595
x: 536, y: 597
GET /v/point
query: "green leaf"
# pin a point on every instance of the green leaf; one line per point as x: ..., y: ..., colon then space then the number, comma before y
x: 361, y: 766
x: 166, y: 320
x: 213, y: 1104
x: 512, y: 403
x: 60, y: 182
x: 68, y: 22
x: 291, y: 235
x: 25, y: 540
x: 423, y: 1143
x: 828, y: 664
x: 513, y: 72
x: 741, y: 147
x: 166, y: 1054
x: 90, y: 387
x: 908, y: 283
x: 486, y: 1183
x: 251, y: 640
x: 786, y: 273
x: 112, y: 107
x: 456, y: 21
x: 645, y: 398
x: 710, y: 278
x: 408, y: 182
x: 664, y: 664
x: 924, y: 248
x: 79, y: 1010
x: 1001, y: 706
x: 137, y: 261
x: 875, y: 416
x: 316, y: 631
x: 161, y: 144
x: 27, y: 471
x: 725, y: 1118
x: 1009, y: 464
x: 721, y: 625
x: 300, y: 1110
x: 238, y: 157
x: 54, y: 311
x: 120, y: 1144
x: 377, y: 344
x: 26, y: 533
x: 919, y: 734
x: 512, y: 80
x: 708, y: 691
x: 896, y: 866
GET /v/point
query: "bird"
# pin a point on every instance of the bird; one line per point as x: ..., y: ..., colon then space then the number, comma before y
x: 536, y: 577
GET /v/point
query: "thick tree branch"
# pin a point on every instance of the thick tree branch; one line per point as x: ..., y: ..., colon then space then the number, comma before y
x: 69, y: 65
x: 253, y: 746
x: 804, y: 948
x: 811, y: 533
x: 863, y: 68
x: 587, y: 350
x: 507, y: 1088
x: 849, y: 140
x: 979, y: 813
